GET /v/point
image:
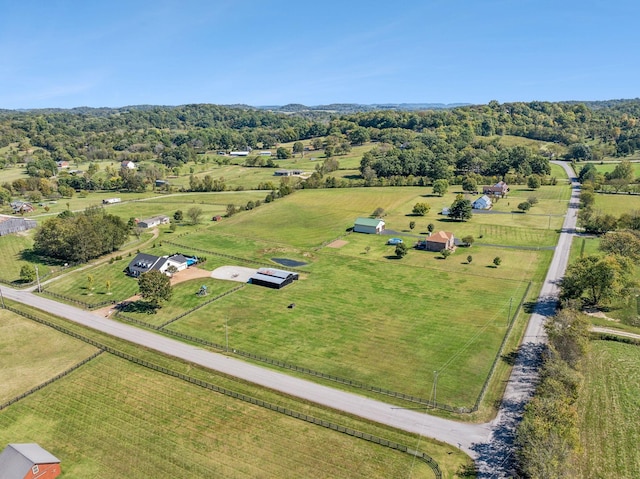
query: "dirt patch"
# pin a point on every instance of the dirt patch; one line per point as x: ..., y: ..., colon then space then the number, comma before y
x: 337, y: 244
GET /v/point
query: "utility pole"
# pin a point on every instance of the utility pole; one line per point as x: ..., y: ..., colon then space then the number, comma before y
x: 38, y: 279
x: 435, y: 388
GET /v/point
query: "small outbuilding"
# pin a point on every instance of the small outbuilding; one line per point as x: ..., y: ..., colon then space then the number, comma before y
x: 482, y: 203
x: 12, y: 224
x: 128, y: 165
x: 28, y: 461
x: 369, y: 226
x: 273, y: 278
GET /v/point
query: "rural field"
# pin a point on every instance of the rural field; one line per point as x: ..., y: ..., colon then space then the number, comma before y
x: 110, y: 415
x: 608, y: 409
x: 445, y: 315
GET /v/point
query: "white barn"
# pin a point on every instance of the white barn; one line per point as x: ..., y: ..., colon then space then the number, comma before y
x: 369, y: 226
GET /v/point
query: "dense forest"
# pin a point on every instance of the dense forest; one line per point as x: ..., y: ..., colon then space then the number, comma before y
x: 446, y: 143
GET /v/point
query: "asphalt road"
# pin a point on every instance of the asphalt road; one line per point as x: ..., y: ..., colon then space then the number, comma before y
x: 491, y: 444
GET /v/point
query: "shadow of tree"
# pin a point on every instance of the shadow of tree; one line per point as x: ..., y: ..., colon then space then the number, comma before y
x: 137, y: 307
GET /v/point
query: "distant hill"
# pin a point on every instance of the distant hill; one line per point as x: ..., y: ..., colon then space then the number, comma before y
x: 356, y: 107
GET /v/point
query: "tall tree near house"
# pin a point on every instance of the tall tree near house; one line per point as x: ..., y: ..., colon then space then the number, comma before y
x: 155, y: 287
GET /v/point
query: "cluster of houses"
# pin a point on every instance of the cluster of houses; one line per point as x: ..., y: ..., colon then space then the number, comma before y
x: 499, y: 190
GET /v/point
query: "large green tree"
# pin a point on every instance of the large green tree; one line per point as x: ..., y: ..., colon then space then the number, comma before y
x: 440, y: 187
x: 155, y: 287
x: 598, y: 278
x: 460, y: 209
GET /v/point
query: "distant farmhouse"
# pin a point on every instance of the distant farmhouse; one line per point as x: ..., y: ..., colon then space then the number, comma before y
x: 21, y: 207
x: 482, y: 203
x: 143, y: 263
x: 28, y: 461
x: 129, y: 165
x: 437, y: 242
x: 154, y: 221
x: 273, y: 278
x: 499, y: 189
x: 288, y: 172
x: 62, y: 164
x: 12, y: 224
x: 238, y: 153
x: 265, y: 153
x: 369, y: 226
x: 110, y: 201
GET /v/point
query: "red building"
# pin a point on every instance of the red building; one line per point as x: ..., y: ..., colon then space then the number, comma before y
x: 28, y: 461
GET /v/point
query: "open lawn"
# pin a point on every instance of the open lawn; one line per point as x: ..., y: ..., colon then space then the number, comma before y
x: 12, y: 259
x: 31, y: 353
x: 608, y: 410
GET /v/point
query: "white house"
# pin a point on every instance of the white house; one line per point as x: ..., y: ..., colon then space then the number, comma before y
x: 369, y: 226
x: 154, y: 221
x: 239, y: 153
x: 129, y: 165
x: 110, y: 201
x: 482, y: 203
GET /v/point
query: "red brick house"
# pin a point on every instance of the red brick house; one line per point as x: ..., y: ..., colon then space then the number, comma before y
x: 499, y: 189
x: 439, y: 241
x: 28, y: 461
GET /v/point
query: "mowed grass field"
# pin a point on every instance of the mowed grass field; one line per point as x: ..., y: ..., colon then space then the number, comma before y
x: 608, y: 409
x: 616, y: 204
x: 109, y: 417
x: 45, y: 351
x: 610, y: 166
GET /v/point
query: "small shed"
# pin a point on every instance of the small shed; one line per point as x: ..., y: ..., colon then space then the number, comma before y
x: 482, y: 203
x: 369, y: 226
x: 129, y: 165
x: 216, y: 218
x: 28, y: 461
x: 273, y: 278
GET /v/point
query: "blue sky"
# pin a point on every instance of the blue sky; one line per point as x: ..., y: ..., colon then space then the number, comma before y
x: 96, y: 53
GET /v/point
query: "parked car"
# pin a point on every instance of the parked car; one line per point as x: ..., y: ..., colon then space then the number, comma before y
x: 394, y: 241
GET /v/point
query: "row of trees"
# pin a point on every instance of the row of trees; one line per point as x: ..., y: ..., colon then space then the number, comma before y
x: 78, y: 238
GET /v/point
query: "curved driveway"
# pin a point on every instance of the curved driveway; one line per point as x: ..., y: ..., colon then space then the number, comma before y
x: 490, y: 444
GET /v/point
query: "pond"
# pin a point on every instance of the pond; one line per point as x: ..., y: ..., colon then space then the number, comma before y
x: 291, y: 263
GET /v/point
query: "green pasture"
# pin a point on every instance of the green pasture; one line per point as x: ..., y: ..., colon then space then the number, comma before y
x: 510, y: 140
x: 610, y: 166
x: 13, y: 248
x: 616, y: 204
x: 31, y: 353
x: 608, y: 410
x: 40, y: 418
x: 350, y: 312
x: 110, y: 417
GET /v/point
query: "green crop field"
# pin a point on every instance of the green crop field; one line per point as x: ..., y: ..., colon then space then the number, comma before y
x: 31, y: 353
x: 111, y: 418
x: 608, y: 409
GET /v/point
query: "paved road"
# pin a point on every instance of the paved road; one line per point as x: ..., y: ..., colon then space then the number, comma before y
x: 490, y: 444
x: 495, y: 457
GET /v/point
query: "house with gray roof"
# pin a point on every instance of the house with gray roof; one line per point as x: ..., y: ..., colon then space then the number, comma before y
x: 143, y: 263
x: 27, y: 461
x: 13, y: 224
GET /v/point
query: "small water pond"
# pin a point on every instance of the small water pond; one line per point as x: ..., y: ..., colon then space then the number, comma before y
x: 291, y: 263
